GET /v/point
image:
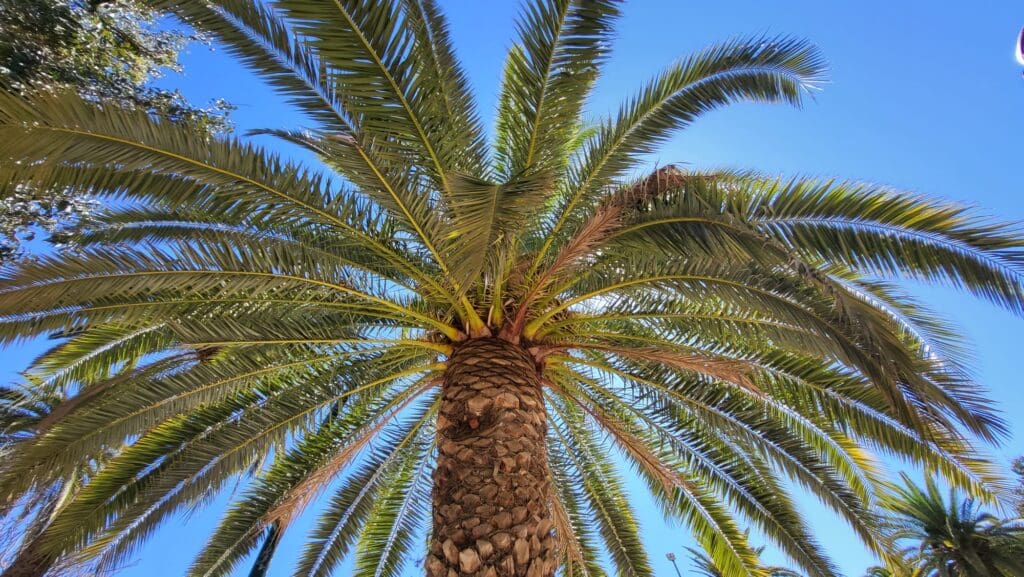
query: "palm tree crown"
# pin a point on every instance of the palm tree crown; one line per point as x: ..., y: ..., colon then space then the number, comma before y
x: 233, y: 315
x: 951, y: 537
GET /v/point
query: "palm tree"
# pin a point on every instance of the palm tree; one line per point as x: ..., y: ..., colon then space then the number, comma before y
x: 951, y: 537
x: 1018, y: 491
x: 705, y: 566
x: 435, y: 329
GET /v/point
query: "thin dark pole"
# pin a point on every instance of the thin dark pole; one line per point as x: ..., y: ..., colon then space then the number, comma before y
x: 672, y: 557
x: 266, y: 554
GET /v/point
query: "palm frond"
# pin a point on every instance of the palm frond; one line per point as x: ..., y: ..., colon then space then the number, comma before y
x: 399, y: 508
x: 671, y: 464
x: 548, y: 75
x: 575, y: 534
x: 387, y: 78
x: 284, y: 490
x: 758, y: 69
x: 882, y: 231
x: 340, y: 525
x: 602, y: 488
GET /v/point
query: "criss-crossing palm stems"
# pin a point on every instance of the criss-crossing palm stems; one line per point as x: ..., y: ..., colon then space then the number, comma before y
x: 233, y: 316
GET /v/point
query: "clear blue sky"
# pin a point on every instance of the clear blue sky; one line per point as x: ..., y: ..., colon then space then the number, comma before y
x: 925, y: 96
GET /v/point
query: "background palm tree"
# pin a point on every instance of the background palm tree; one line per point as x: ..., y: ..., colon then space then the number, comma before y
x: 879, y: 571
x: 1018, y: 490
x: 705, y: 566
x: 430, y: 317
x: 951, y: 537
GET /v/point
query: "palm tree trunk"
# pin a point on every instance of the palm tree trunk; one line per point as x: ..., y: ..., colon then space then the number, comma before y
x: 491, y: 486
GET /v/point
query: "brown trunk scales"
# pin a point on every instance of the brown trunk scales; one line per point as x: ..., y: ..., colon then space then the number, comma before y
x: 491, y: 492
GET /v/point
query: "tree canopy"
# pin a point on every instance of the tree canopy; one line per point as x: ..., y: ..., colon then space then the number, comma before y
x: 332, y: 334
x: 107, y: 51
